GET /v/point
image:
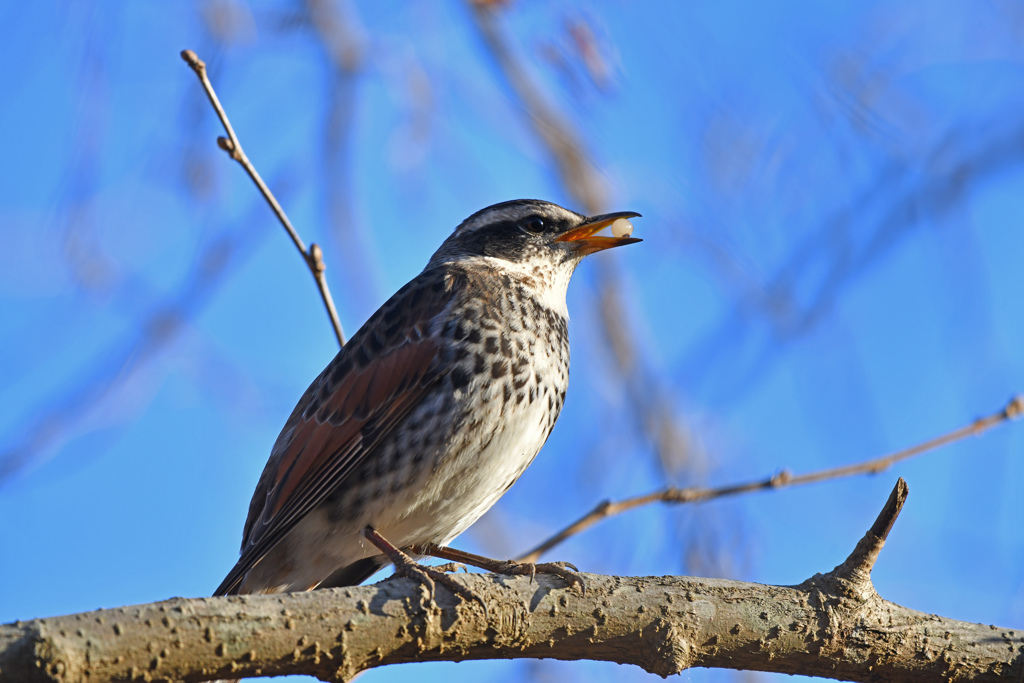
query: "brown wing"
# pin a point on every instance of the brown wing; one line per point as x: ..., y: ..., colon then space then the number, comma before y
x: 373, y: 383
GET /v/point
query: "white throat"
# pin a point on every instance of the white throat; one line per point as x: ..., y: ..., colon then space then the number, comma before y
x: 548, y: 282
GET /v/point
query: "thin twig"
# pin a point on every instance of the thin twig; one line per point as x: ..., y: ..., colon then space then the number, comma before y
x: 887, y: 517
x: 1013, y: 410
x: 338, y: 30
x: 313, y: 256
x: 852, y: 578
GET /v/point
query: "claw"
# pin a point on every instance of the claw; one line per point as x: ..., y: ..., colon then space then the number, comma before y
x: 456, y: 587
x: 426, y: 576
x: 571, y: 576
x: 431, y: 576
x: 566, y: 570
x: 417, y: 573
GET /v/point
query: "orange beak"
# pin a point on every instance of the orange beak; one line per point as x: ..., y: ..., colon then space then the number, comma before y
x: 585, y: 239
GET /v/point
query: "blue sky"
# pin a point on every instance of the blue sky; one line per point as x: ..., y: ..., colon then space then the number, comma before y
x: 831, y: 271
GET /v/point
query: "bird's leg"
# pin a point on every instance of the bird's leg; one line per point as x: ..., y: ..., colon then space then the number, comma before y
x: 567, y: 571
x: 410, y: 568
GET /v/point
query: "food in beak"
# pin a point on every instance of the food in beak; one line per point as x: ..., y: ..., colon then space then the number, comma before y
x: 621, y: 227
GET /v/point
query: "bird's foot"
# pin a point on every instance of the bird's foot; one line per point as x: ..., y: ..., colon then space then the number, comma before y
x: 565, y: 570
x: 427, y: 576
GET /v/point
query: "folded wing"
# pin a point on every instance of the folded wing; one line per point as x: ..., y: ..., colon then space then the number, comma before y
x: 369, y: 388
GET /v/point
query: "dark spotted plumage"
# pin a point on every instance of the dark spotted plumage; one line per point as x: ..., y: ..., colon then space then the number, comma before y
x: 431, y: 411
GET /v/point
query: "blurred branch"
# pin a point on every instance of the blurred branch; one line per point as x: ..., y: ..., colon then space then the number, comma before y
x: 573, y: 164
x: 651, y: 407
x: 338, y: 32
x: 156, y: 320
x: 804, y: 289
x: 1013, y: 410
x: 114, y: 366
x: 312, y: 256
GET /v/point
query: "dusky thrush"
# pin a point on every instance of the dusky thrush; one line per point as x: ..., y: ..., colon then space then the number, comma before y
x: 433, y: 409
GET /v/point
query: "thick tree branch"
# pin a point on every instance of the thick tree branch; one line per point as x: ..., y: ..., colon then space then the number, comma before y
x: 833, y: 625
x: 313, y: 256
x: 673, y: 495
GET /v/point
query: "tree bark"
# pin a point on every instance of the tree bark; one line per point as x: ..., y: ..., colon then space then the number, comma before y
x: 833, y: 625
x: 661, y: 624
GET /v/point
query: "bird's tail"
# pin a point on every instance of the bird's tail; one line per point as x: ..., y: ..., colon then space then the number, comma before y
x: 355, y: 573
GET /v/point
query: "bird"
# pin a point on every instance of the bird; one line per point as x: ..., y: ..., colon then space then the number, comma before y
x: 432, y: 410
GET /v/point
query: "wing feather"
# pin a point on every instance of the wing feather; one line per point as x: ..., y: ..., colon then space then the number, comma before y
x: 374, y: 382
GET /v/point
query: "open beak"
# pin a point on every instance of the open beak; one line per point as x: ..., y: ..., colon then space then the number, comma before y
x: 585, y: 240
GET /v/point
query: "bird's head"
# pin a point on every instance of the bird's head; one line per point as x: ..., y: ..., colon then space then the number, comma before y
x: 533, y: 234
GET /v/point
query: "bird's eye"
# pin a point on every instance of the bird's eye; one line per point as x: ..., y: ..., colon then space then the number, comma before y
x: 534, y: 226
